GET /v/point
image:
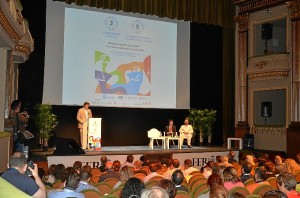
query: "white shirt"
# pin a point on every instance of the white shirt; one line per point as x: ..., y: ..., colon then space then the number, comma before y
x: 186, y: 128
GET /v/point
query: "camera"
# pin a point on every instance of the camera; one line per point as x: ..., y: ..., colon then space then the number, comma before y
x: 31, y: 165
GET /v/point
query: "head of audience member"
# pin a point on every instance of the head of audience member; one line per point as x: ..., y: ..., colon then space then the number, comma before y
x: 177, y: 177
x: 130, y: 158
x: 85, y: 176
x: 126, y: 173
x: 298, y: 158
x: 87, y: 168
x: 67, y: 172
x: 175, y: 163
x: 116, y: 165
x: 214, y: 180
x: 246, y: 168
x: 72, y: 180
x: 137, y: 165
x: 231, y: 154
x: 277, y: 160
x: 270, y: 166
x: 109, y: 165
x: 152, y: 168
x: 236, y: 195
x: 77, y: 166
x: 169, y: 186
x: 154, y: 192
x: 219, y: 159
x: 144, y: 160
x: 15, y: 106
x: 291, y: 166
x: 187, y: 163
x: 59, y: 171
x: 286, y: 182
x: 216, y: 169
x: 18, y: 161
x: 51, y: 169
x: 159, y: 165
x: 218, y: 192
x: 133, y: 187
x: 103, y: 159
x: 260, y: 174
x: 274, y: 194
x: 250, y: 159
x: 230, y: 175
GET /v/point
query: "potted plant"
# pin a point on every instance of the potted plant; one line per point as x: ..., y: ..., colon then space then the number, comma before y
x: 45, y: 121
x: 202, y: 121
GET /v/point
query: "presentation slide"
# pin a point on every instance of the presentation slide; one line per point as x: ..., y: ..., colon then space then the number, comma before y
x: 113, y: 60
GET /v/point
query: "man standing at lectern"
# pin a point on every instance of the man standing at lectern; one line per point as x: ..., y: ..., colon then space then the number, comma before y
x: 83, y: 115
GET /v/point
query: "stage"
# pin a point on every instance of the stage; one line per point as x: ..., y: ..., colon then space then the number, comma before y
x: 198, y: 154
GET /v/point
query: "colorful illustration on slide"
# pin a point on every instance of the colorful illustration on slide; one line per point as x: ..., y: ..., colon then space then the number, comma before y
x: 132, y: 78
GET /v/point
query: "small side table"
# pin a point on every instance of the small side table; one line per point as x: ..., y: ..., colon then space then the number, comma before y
x: 168, y: 138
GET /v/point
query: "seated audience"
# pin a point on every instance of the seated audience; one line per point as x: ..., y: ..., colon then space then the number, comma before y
x: 218, y: 192
x: 125, y: 174
x: 274, y: 194
x: 212, y: 181
x: 50, y: 178
x: 224, y: 162
x: 168, y: 186
x: 129, y: 161
x: 287, y: 184
x: 231, y: 156
x: 291, y: 166
x: 246, y: 172
x: 17, y: 177
x: 110, y: 173
x: 87, y: 168
x: 132, y: 188
x: 298, y: 158
x: 231, y: 178
x: 188, y: 167
x: 153, y: 173
x: 59, y: 171
x: 219, y: 160
x: 207, y: 169
x: 138, y: 167
x: 85, y: 177
x: 77, y: 166
x: 270, y: 169
x: 177, y: 179
x: 117, y: 166
x: 250, y: 159
x: 174, y: 165
x: 72, y: 182
x: 279, y: 165
x: 103, y: 160
x: 259, y: 178
x: 154, y: 192
x: 144, y: 160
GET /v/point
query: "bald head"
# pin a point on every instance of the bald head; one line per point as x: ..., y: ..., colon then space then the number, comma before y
x: 108, y: 165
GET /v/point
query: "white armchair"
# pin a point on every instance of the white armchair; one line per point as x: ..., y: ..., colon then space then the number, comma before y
x: 155, y: 134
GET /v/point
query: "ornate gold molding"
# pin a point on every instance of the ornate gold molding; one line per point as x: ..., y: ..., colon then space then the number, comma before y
x: 270, y: 74
x: 243, y: 21
x: 248, y: 6
x: 20, y: 18
x: 294, y: 9
x: 261, y: 64
x: 8, y: 27
x: 23, y: 48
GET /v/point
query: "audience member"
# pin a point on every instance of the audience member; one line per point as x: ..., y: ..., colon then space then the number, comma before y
x: 17, y: 177
x: 153, y: 173
x: 129, y: 161
x: 138, y: 167
x: 279, y: 165
x: 219, y: 160
x: 144, y: 160
x: 85, y: 177
x: 236, y: 195
x: 246, y: 172
x: 286, y: 183
x: 274, y: 194
x: 291, y: 166
x: 298, y: 158
x: 154, y: 192
x: 77, y: 166
x: 212, y: 181
x: 188, y: 167
x: 207, y: 169
x: 103, y: 161
x: 133, y: 187
x: 72, y: 182
x: 110, y: 173
x: 270, y: 169
x: 174, y: 165
x: 59, y: 171
x: 125, y: 174
x: 250, y: 159
x: 169, y: 186
x: 218, y: 192
x: 224, y: 162
x: 50, y: 178
x: 259, y: 178
x: 177, y: 178
x: 231, y: 156
x: 117, y: 166
x: 86, y: 167
x: 231, y: 178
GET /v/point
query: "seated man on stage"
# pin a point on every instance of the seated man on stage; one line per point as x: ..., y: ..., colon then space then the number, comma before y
x: 186, y: 131
x: 83, y: 115
x: 170, y: 129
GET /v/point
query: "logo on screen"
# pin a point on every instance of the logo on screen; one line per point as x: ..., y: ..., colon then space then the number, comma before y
x: 137, y: 26
x: 111, y: 23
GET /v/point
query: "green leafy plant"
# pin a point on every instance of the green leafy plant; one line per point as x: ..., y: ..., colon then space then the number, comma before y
x: 203, y: 120
x: 45, y: 121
